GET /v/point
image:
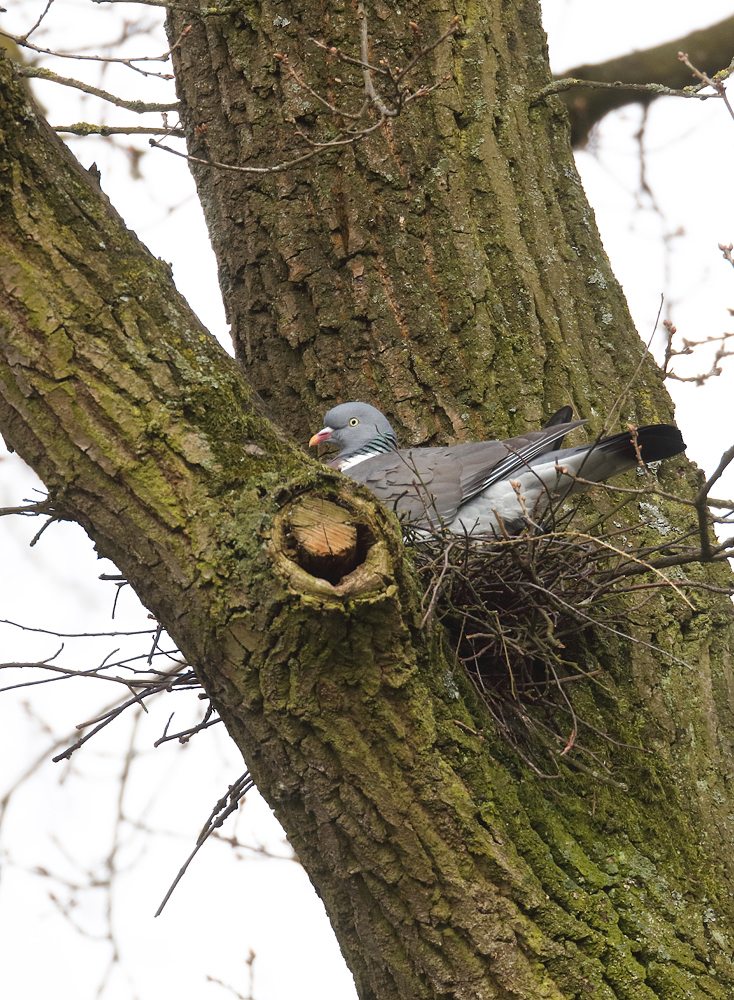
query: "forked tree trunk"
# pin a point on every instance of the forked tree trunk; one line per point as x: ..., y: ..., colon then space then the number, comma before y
x: 447, y: 266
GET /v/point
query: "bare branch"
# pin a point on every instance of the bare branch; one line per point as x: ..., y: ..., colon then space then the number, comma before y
x: 139, y: 107
x: 718, y: 81
x: 655, y: 89
x: 369, y: 87
x: 22, y: 41
x: 82, y: 128
x: 76, y: 635
x: 688, y: 348
x: 724, y: 463
x: 45, y: 11
x: 228, y: 804
x: 317, y: 147
x: 41, y: 507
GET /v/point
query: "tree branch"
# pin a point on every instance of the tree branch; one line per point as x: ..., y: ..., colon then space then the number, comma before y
x: 82, y: 128
x: 140, y: 107
x: 709, y: 48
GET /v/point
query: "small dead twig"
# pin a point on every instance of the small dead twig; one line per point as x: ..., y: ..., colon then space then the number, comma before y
x: 185, y: 735
x: 716, y: 83
x: 228, y: 804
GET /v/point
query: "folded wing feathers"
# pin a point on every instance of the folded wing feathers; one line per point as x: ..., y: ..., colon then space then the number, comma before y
x: 518, y: 457
x: 430, y: 483
x: 436, y: 481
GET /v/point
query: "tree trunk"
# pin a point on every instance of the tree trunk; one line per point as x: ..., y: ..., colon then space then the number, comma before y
x: 453, y: 258
x: 449, y: 269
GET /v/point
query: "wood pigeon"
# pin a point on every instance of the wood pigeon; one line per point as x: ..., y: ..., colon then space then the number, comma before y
x: 470, y: 487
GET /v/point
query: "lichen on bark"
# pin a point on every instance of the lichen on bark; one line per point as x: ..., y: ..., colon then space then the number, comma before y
x: 448, y: 868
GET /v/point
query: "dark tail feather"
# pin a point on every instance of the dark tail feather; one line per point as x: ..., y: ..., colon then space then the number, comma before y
x: 617, y: 454
x: 656, y: 441
x: 562, y: 416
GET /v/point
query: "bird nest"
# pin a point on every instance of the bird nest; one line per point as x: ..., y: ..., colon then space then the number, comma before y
x: 523, y: 614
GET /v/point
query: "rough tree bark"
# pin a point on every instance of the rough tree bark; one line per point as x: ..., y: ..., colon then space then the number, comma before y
x: 450, y: 270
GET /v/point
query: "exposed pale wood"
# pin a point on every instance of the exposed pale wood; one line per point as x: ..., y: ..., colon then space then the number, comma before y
x: 325, y: 535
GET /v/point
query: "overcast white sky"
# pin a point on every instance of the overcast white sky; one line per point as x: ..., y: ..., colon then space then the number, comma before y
x: 61, y: 821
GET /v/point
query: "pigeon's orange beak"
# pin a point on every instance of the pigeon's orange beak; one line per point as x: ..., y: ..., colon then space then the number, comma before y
x: 323, y: 435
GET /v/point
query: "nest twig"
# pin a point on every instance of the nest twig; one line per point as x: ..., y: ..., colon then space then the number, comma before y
x: 518, y: 610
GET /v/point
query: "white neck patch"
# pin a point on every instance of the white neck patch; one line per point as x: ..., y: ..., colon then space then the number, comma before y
x: 353, y: 460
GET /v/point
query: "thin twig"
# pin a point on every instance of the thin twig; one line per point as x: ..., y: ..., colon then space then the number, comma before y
x: 139, y: 107
x: 656, y: 89
x: 451, y: 30
x: 30, y: 31
x: 717, y: 83
x: 224, y: 808
x: 130, y: 62
x: 367, y: 71
x: 82, y: 128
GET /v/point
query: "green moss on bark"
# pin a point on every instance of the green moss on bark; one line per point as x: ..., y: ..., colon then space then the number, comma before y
x: 447, y: 866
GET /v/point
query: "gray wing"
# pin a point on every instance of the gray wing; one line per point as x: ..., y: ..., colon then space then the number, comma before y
x: 488, y: 462
x: 433, y: 483
x: 423, y: 483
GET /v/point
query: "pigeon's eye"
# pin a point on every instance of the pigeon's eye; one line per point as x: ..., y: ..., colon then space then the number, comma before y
x: 353, y: 422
